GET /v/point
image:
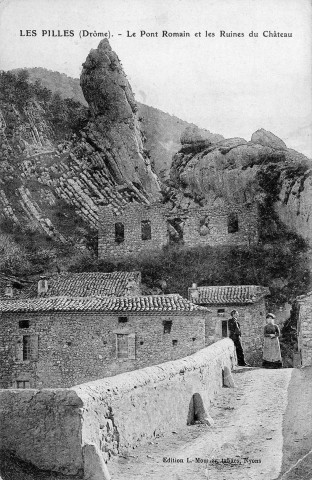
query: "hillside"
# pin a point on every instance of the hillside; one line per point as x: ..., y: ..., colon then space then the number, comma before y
x: 161, y: 131
x: 60, y: 160
x: 66, y: 86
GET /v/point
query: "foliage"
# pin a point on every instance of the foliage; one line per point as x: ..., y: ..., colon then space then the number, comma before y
x: 56, y: 82
x: 66, y: 116
x: 179, y: 267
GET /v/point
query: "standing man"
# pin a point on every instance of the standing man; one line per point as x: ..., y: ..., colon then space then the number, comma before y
x: 235, y: 335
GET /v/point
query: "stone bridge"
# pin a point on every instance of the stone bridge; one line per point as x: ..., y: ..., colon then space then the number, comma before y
x: 75, y: 432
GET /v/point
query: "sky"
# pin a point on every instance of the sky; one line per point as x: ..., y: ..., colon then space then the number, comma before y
x: 232, y: 85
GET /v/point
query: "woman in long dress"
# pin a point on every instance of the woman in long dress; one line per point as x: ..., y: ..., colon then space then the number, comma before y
x: 271, y: 349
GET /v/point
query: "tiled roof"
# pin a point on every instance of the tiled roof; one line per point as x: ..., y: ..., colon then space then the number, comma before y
x: 232, y: 294
x: 91, y: 284
x: 149, y: 303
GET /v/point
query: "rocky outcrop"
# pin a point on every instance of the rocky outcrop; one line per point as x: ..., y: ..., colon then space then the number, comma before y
x: 294, y: 205
x: 162, y: 132
x: 237, y: 171
x: 114, y: 129
x: 47, y: 180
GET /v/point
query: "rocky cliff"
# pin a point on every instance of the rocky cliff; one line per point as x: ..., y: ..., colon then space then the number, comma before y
x: 59, y: 160
x: 234, y: 170
x: 161, y: 131
x: 113, y: 129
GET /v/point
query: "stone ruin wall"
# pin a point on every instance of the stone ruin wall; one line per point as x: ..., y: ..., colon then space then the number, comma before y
x: 305, y: 332
x: 133, y: 245
x: 201, y: 227
x: 73, y: 431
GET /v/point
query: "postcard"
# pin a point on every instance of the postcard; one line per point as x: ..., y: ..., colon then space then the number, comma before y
x: 155, y: 239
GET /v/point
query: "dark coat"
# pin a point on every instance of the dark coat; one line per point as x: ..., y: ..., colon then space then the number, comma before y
x: 234, y: 328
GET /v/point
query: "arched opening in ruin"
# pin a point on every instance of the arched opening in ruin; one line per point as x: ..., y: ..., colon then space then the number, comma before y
x: 197, y: 412
x: 175, y: 230
x: 204, y: 227
x: 146, y: 230
x: 119, y: 232
x: 232, y: 222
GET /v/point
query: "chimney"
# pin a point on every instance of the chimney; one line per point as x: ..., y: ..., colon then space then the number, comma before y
x: 42, y: 285
x: 193, y: 293
x: 8, y: 292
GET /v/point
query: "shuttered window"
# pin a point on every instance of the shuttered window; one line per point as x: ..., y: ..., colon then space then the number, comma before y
x: 125, y: 345
x: 131, y: 346
x: 122, y: 346
x: 26, y: 348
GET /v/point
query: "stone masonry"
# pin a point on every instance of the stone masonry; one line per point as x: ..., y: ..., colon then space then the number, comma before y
x: 53, y: 342
x: 304, y: 328
x: 248, y: 300
x: 74, y: 431
x: 123, y: 234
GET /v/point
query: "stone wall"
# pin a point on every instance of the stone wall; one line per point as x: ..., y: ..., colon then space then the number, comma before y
x: 252, y: 322
x: 72, y: 348
x: 65, y: 430
x: 131, y: 218
x: 43, y: 428
x: 201, y: 227
x: 304, y: 327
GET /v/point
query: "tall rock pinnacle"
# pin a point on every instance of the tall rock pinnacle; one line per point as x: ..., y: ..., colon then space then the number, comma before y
x: 114, y: 128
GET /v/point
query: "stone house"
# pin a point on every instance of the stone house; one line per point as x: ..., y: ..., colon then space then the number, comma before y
x: 248, y: 300
x: 144, y: 230
x: 64, y: 340
x: 303, y: 312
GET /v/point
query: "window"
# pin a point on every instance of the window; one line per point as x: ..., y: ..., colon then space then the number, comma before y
x: 224, y: 328
x: 174, y: 343
x: 122, y: 319
x: 125, y: 345
x: 167, y: 326
x: 122, y: 346
x: 22, y: 384
x: 26, y: 347
x: 146, y: 230
x: 175, y: 230
x: 221, y: 312
x: 23, y: 324
x: 119, y: 232
x: 233, y: 223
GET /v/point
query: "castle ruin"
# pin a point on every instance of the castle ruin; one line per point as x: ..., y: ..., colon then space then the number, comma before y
x: 141, y: 230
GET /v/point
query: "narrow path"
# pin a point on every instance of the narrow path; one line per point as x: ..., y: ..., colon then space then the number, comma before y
x: 245, y: 442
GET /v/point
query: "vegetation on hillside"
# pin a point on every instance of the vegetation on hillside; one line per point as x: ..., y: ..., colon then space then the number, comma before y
x: 66, y: 86
x: 65, y: 116
x: 279, y: 261
x: 280, y: 265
